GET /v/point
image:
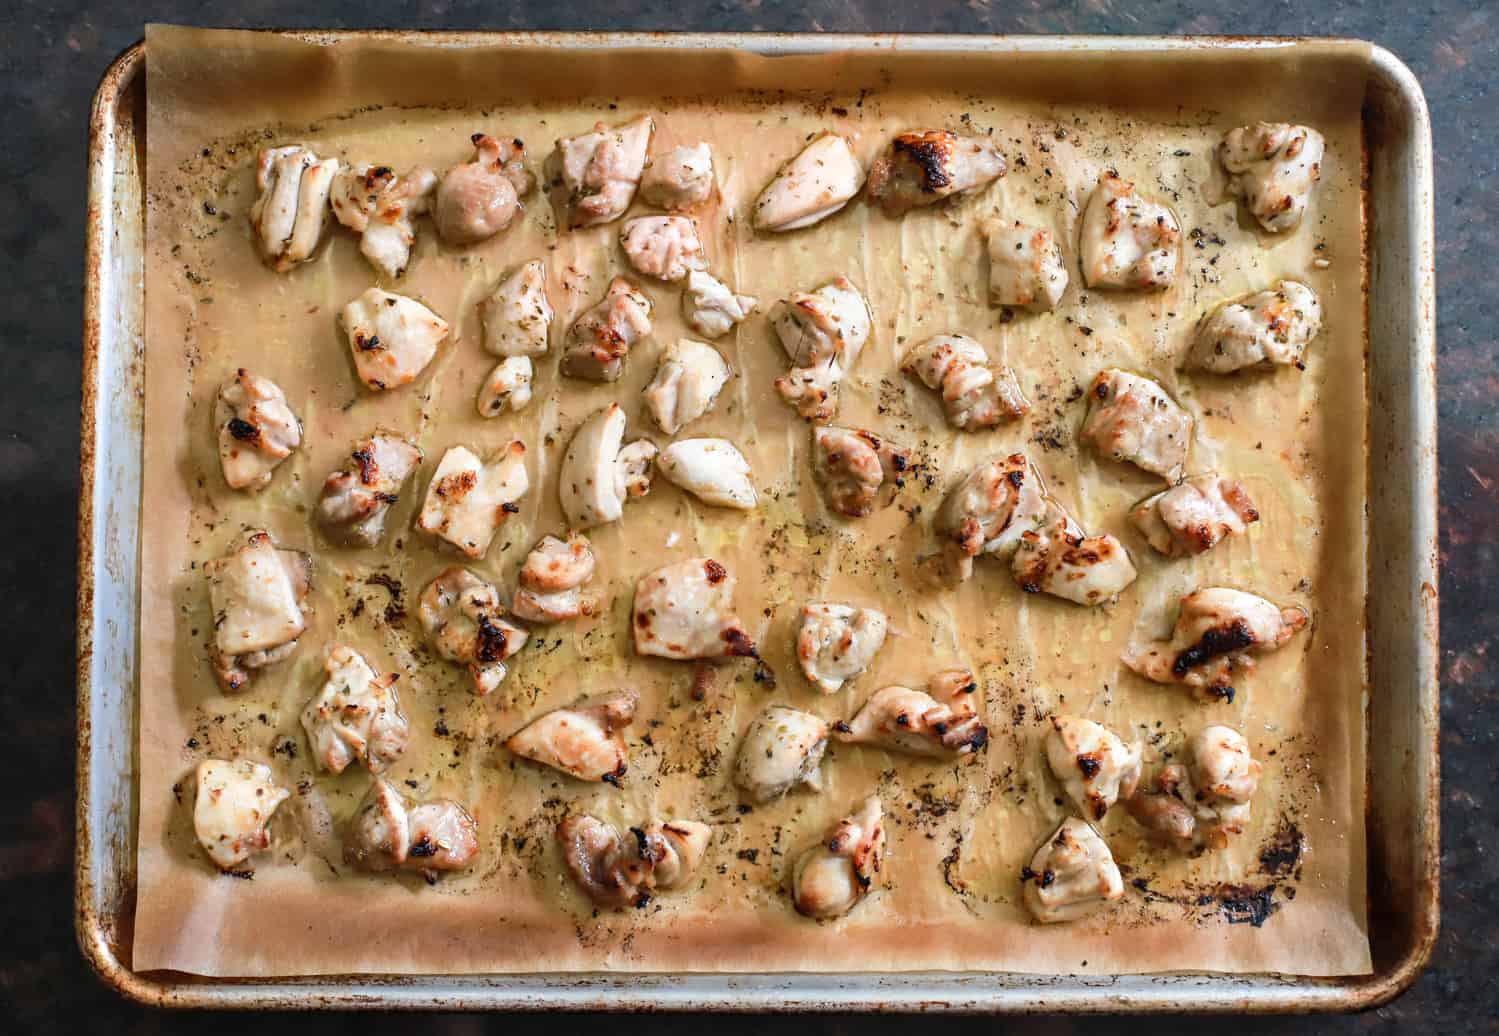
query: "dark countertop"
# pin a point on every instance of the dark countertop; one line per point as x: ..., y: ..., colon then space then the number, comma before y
x: 50, y: 59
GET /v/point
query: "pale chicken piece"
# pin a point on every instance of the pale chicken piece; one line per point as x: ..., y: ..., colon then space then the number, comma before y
x: 857, y: 468
x: 1272, y: 167
x: 831, y: 877
x: 680, y: 179
x: 506, y: 387
x: 685, y: 610
x: 617, y: 872
x: 711, y: 308
x: 1134, y: 420
x: 837, y: 642
x: 257, y: 430
x: 599, y: 473
x: 256, y: 592
x: 1059, y: 559
x: 1072, y: 875
x: 595, y: 347
x: 1128, y: 242
x: 291, y: 209
x: 356, y: 499
x: 924, y: 167
x: 1206, y: 802
x: 1025, y: 266
x: 468, y: 500
x: 600, y: 170
x: 392, y: 338
x: 976, y: 394
x: 664, y: 247
x: 1095, y: 766
x: 988, y: 512
x: 1265, y: 329
x: 1195, y: 515
x: 382, y: 208
x: 1218, y: 631
x: 551, y: 581
x: 781, y: 751
x: 462, y: 619
x: 391, y: 832
x: 818, y: 182
x: 584, y: 740
x: 713, y: 470
x: 478, y: 199
x: 517, y: 315
x: 687, y: 382
x: 822, y: 333
x: 356, y: 716
x: 233, y: 810
x: 941, y: 722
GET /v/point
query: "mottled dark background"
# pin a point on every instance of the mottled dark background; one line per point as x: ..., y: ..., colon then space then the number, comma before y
x: 51, y: 55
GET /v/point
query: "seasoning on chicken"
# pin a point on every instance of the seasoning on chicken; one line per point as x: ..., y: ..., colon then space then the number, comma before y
x: 941, y: 722
x: 1129, y: 242
x: 617, y: 872
x: 600, y: 170
x: 468, y: 500
x: 710, y: 308
x: 551, y: 581
x: 975, y: 394
x: 845, y: 865
x: 391, y: 337
x: 257, y: 430
x: 1272, y: 167
x: 857, y: 468
x: 233, y: 808
x: 356, y: 716
x: 356, y: 499
x: 291, y: 209
x: 596, y: 345
x: 478, y: 199
x: 988, y: 512
x: 687, y: 382
x: 837, y: 642
x: 381, y: 208
x: 462, y: 619
x: 584, y: 740
x: 1195, y: 515
x: 685, y: 610
x: 1071, y: 875
x: 782, y: 750
x: 925, y: 166
x: 506, y: 387
x: 1218, y: 632
x: 256, y: 592
x: 713, y: 470
x: 1025, y: 266
x: 822, y: 334
x: 664, y: 247
x: 517, y: 315
x: 1059, y: 559
x: 818, y: 182
x: 1132, y: 419
x: 680, y: 179
x: 1205, y: 802
x: 1093, y: 763
x: 598, y: 473
x: 1261, y: 330
x: 390, y: 832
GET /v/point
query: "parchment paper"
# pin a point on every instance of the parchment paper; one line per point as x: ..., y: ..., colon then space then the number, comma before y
x: 1288, y: 896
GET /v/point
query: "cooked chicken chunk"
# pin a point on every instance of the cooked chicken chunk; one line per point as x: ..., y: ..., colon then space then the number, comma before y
x: 1093, y: 763
x: 617, y: 872
x: 1260, y: 330
x: 381, y: 208
x: 822, y: 334
x: 1272, y: 167
x: 291, y: 210
x: 1205, y: 802
x: 975, y: 394
x: 988, y: 511
x: 818, y: 182
x: 392, y: 338
x: 478, y: 199
x: 506, y: 387
x: 926, y: 166
x: 601, y: 337
x: 856, y: 468
x: 389, y: 831
x: 468, y: 500
x: 517, y: 315
x: 680, y: 179
x: 687, y: 383
x: 584, y: 740
x: 713, y: 470
x: 356, y: 499
x: 257, y: 430
x: 1128, y: 241
x: 1133, y: 419
x: 1194, y: 516
x: 782, y: 750
x: 462, y: 618
x: 710, y: 308
x: 685, y: 610
x: 664, y: 247
x: 551, y: 581
x: 1058, y: 559
x: 1072, y: 875
x: 233, y: 808
x: 837, y: 642
x: 356, y: 716
x: 942, y: 724
x: 832, y: 876
x: 1218, y: 631
x: 256, y: 592
x: 599, y: 473
x: 600, y: 170
x: 1025, y: 266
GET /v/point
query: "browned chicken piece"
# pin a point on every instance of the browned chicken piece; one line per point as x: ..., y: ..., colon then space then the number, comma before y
x: 356, y: 500
x: 1128, y: 242
x: 837, y: 642
x: 1268, y: 328
x: 680, y: 179
x: 685, y: 610
x: 822, y: 334
x: 1093, y: 763
x: 1059, y: 559
x: 1025, y: 266
x: 257, y: 430
x: 462, y: 618
x: 1207, y: 801
x: 551, y: 581
x: 988, y: 512
x: 599, y: 340
x: 256, y: 592
x: 782, y: 750
x: 831, y: 877
x: 1132, y: 419
x: 233, y: 810
x: 517, y: 315
x: 925, y: 166
x: 382, y: 208
x: 356, y: 716
x: 941, y: 722
x: 584, y: 740
x: 291, y: 210
x: 506, y: 387
x: 1072, y: 875
x: 599, y: 472
x: 976, y: 395
x: 391, y: 337
x: 617, y: 872
x: 859, y: 471
x: 468, y: 499
x: 478, y: 199
x: 1195, y: 515
x: 664, y: 247
x: 390, y: 832
x: 600, y: 171
x: 687, y: 382
x: 818, y: 182
x: 1272, y: 167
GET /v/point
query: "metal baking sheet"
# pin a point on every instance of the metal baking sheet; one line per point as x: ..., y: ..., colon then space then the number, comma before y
x: 1402, y: 708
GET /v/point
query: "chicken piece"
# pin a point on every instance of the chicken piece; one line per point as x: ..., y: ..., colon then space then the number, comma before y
x: 837, y: 642
x: 856, y: 468
x: 1128, y: 241
x: 1261, y: 330
x: 822, y: 334
x: 516, y: 315
x: 256, y: 592
x: 988, y: 512
x: 291, y: 209
x: 975, y: 394
x: 1058, y: 559
x: 601, y: 170
x: 1205, y: 803
x: 356, y: 499
x: 391, y: 832
x: 257, y: 430
x: 1072, y: 875
x: 551, y: 580
x: 710, y: 308
x: 781, y: 751
x: 599, y: 473
x: 680, y: 179
x: 381, y: 208
x: 356, y: 716
x: 686, y: 384
x: 942, y: 724
x: 392, y: 338
x: 685, y: 610
x: 478, y: 199
x: 462, y: 619
x: 1218, y: 631
x: 584, y: 740
x: 1025, y: 266
x: 1132, y: 419
x: 467, y: 501
x: 233, y: 810
x: 1093, y: 763
x: 664, y: 247
x: 1195, y: 515
x: 818, y: 182
x: 832, y: 876
x: 925, y: 166
x: 507, y: 387
x: 713, y: 470
x: 616, y: 872
x: 601, y: 337
x: 1272, y: 167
